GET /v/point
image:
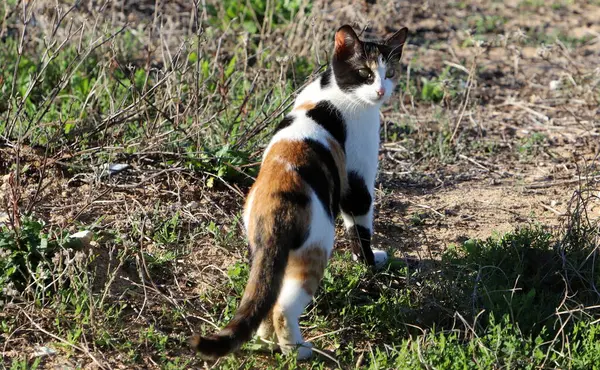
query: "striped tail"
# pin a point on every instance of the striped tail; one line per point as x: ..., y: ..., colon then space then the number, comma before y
x: 260, y: 295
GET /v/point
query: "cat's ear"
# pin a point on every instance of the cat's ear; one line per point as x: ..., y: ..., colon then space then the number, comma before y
x: 346, y: 42
x: 395, y: 43
x: 397, y: 39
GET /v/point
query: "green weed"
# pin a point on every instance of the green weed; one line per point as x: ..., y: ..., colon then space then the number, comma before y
x: 531, y: 145
x: 446, y: 86
x: 28, y: 255
x: 19, y: 364
x: 486, y: 23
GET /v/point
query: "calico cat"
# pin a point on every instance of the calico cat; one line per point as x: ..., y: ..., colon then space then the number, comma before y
x: 322, y: 160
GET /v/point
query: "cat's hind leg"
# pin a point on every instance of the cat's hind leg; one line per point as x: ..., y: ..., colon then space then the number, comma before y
x: 302, y: 277
x: 266, y: 333
x: 285, y: 320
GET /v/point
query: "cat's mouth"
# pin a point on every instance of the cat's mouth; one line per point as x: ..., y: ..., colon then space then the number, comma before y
x: 377, y: 99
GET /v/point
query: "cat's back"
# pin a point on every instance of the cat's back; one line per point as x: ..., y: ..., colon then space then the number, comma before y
x: 314, y: 91
x: 313, y: 117
x: 312, y: 120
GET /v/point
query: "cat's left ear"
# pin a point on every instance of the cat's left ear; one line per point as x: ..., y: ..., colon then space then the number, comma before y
x: 397, y: 39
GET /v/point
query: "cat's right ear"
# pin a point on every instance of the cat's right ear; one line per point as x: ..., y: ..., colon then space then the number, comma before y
x: 346, y: 41
x: 397, y: 39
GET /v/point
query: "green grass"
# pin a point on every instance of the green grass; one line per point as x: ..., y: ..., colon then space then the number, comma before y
x: 519, y: 300
x: 483, y: 24
x: 92, y: 94
x: 498, y: 301
x: 537, y: 4
x: 531, y: 145
x: 19, y: 364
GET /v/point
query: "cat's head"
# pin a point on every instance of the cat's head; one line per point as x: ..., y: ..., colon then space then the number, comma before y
x: 367, y: 70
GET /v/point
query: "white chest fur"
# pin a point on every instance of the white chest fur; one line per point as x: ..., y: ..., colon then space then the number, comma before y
x: 362, y: 144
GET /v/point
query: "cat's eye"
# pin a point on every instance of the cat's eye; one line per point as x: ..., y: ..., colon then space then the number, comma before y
x: 364, y: 72
x: 390, y: 73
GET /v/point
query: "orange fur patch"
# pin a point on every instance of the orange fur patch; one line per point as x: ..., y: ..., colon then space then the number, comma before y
x: 274, y: 178
x: 307, y: 266
x: 340, y: 41
x: 305, y: 106
x: 269, y: 209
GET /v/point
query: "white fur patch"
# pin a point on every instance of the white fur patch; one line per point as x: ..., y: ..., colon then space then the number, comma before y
x: 248, y: 210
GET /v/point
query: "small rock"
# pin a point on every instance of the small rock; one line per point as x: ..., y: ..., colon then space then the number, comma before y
x: 43, y: 352
x: 65, y: 367
x: 113, y: 169
x: 84, y: 236
x: 192, y: 205
x: 3, y: 218
x: 554, y: 84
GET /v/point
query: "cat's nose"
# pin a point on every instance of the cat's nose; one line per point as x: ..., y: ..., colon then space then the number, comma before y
x: 380, y: 92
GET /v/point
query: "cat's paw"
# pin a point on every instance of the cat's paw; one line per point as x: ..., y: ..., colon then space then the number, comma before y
x: 380, y: 257
x: 305, y: 351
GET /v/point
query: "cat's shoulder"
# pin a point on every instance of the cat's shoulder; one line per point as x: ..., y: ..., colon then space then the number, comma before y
x: 317, y: 90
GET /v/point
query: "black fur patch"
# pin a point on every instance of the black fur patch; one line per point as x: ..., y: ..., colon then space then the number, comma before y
x: 285, y: 122
x: 295, y: 235
x: 361, y: 244
x: 357, y: 200
x: 298, y: 198
x: 328, y: 116
x: 326, y: 78
x: 325, y: 181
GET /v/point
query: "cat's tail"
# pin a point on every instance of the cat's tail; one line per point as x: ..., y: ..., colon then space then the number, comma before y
x: 266, y: 276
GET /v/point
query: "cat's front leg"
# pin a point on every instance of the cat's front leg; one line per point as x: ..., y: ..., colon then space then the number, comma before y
x: 357, y: 212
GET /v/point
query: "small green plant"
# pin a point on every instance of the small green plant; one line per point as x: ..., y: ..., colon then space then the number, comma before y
x: 27, y: 254
x: 432, y: 90
x: 531, y: 145
x: 253, y: 13
x: 20, y: 364
x: 445, y: 86
x: 226, y: 235
x: 154, y: 338
x: 486, y: 23
x: 167, y: 234
x: 418, y: 218
x: 224, y: 164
